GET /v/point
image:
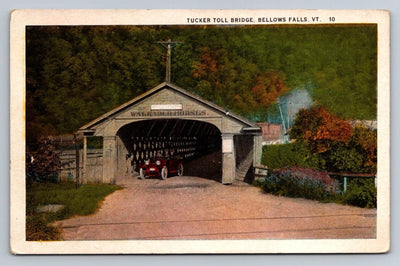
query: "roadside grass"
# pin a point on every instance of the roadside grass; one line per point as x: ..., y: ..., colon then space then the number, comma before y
x: 83, y: 200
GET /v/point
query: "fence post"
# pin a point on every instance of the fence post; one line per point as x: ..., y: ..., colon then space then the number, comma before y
x: 84, y: 159
x: 77, y: 164
x: 344, y: 184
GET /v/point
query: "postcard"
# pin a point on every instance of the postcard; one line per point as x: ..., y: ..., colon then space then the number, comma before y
x: 199, y: 131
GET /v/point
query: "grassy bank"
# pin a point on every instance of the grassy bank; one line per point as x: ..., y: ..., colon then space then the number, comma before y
x: 76, y: 201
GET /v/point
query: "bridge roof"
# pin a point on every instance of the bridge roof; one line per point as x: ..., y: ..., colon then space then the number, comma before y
x: 248, y: 125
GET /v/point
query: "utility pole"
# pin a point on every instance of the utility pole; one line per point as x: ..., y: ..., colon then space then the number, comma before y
x: 285, y: 136
x: 283, y: 120
x: 168, y: 44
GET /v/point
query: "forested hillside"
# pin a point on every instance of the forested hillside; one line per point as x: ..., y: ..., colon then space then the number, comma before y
x: 74, y: 74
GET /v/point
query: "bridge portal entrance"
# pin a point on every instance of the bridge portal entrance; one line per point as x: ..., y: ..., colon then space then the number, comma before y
x: 168, y: 120
x: 186, y: 139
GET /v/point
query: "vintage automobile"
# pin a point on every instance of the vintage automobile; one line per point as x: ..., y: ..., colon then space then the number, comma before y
x: 160, y: 167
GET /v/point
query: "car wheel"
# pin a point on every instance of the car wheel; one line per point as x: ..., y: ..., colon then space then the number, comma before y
x: 164, y: 173
x: 180, y: 170
x: 141, y: 174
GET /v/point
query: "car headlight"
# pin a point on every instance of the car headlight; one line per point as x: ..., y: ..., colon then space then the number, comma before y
x: 158, y: 162
x: 146, y: 162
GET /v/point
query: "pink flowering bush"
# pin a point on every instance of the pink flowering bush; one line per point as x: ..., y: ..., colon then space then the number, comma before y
x: 300, y: 182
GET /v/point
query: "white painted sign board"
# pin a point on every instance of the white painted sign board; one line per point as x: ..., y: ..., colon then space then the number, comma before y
x: 227, y: 145
x: 166, y: 107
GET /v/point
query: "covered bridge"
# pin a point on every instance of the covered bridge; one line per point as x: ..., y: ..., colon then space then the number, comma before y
x: 170, y: 120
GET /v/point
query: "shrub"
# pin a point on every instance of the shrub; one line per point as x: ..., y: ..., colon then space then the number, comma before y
x: 292, y: 154
x: 339, y: 158
x: 44, y: 165
x: 347, y: 159
x: 299, y: 182
x: 284, y: 155
x: 361, y: 192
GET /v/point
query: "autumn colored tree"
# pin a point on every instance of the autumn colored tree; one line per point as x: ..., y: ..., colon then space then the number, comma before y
x: 206, y: 66
x: 334, y: 143
x: 214, y: 72
x: 320, y: 129
x: 269, y: 86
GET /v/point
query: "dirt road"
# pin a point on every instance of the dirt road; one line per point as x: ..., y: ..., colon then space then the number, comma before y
x: 196, y: 208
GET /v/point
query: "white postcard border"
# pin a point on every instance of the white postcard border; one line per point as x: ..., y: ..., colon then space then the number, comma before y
x: 22, y: 18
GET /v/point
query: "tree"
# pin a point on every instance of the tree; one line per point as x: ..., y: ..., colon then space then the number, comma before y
x: 320, y: 129
x: 366, y: 140
x: 216, y: 71
x: 269, y: 86
x: 335, y: 145
x: 75, y: 74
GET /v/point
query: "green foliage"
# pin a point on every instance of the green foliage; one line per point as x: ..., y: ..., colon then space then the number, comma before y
x: 82, y: 201
x: 334, y: 78
x: 340, y: 158
x: 287, y: 155
x: 365, y: 140
x: 75, y: 74
x: 94, y: 143
x: 351, y: 157
x: 361, y: 192
x: 344, y: 159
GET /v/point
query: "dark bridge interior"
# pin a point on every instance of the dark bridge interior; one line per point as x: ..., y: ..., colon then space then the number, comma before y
x: 192, y: 140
